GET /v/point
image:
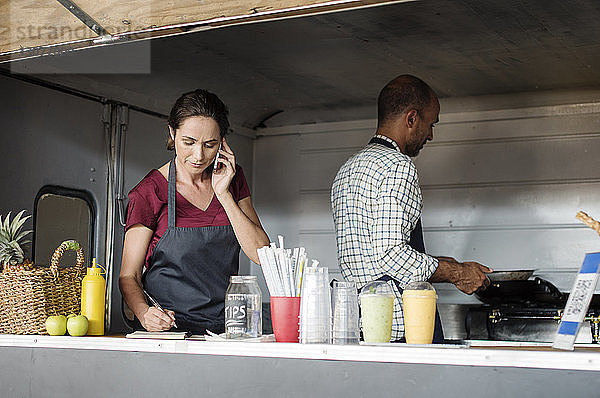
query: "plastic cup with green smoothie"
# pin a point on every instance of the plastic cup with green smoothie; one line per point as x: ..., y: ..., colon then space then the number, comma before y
x: 377, y: 310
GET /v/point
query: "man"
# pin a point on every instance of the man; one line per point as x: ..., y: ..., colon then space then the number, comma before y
x: 376, y: 201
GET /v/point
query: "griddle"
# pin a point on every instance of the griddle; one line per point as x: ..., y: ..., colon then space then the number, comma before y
x: 523, y: 310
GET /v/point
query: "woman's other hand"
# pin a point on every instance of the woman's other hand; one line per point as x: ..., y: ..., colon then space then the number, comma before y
x: 154, y: 320
x: 224, y: 172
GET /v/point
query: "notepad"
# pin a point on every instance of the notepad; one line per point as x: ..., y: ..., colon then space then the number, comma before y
x: 267, y: 338
x: 140, y: 334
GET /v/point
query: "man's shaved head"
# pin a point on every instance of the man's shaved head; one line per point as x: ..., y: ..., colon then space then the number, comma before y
x: 403, y: 93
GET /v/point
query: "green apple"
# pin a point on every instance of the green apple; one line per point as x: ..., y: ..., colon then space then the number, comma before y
x: 56, y: 325
x: 77, y: 325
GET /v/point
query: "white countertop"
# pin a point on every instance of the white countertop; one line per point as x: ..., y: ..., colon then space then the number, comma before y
x: 495, y: 354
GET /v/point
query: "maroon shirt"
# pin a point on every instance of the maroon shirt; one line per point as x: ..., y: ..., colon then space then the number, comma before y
x: 148, y: 206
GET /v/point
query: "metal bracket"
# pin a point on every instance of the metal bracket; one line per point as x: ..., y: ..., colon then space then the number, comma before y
x: 119, y: 160
x: 84, y: 17
x: 495, y: 316
x: 123, y: 114
x: 106, y: 113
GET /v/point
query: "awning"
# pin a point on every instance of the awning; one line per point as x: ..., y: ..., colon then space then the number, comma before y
x: 32, y: 28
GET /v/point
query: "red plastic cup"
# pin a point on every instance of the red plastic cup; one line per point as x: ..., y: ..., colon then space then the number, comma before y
x: 284, y: 316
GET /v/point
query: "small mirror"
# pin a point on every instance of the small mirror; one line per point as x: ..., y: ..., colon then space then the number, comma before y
x: 61, y: 214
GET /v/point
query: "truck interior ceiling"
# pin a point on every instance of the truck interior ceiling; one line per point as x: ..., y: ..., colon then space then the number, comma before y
x: 328, y: 67
x: 514, y: 156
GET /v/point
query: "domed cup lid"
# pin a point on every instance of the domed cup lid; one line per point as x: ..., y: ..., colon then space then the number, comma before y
x: 378, y: 288
x: 419, y: 286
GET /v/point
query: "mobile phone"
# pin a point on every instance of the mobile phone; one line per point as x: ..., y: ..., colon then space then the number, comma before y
x: 215, y: 166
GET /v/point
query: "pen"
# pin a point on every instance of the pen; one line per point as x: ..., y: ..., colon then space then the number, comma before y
x: 155, y: 303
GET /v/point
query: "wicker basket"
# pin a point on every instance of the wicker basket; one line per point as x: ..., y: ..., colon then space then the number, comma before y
x: 28, y: 297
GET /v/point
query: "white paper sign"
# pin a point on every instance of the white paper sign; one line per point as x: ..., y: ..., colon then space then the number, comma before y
x: 578, y: 302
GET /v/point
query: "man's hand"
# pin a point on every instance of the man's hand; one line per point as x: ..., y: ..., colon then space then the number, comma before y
x: 468, y: 277
x: 471, y: 277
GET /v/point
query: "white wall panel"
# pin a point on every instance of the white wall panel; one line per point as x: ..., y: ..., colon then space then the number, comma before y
x: 524, y: 161
x: 277, y: 172
x: 500, y: 185
x: 515, y: 127
x: 50, y: 138
x: 322, y: 246
x: 506, y: 249
x: 510, y: 205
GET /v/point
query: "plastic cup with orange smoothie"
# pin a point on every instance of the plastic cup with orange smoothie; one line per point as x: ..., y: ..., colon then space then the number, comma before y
x: 418, y: 304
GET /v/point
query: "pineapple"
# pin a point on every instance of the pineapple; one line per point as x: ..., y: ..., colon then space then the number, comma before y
x: 12, y: 256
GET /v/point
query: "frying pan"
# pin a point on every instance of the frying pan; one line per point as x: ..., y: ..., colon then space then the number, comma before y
x: 518, y: 275
x: 522, y: 292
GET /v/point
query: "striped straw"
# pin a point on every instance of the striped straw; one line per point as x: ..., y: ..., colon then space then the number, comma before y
x: 283, y: 268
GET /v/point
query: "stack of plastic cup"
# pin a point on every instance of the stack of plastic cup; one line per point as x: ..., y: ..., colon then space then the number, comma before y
x: 315, y: 307
x: 345, y: 313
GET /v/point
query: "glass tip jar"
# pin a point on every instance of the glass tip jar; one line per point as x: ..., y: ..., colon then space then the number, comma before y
x: 243, y: 308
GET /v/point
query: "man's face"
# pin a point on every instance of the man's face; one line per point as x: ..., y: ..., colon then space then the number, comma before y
x: 423, y: 128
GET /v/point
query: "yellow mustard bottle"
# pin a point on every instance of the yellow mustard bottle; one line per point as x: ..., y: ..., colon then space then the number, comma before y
x: 93, y: 292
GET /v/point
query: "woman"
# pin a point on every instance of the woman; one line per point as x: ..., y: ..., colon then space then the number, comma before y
x: 186, y: 222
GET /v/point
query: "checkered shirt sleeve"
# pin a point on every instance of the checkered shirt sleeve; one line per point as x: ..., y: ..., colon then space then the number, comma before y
x: 397, y: 210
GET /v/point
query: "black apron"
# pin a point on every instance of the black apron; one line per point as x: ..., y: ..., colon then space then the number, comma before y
x: 189, y: 270
x: 417, y: 243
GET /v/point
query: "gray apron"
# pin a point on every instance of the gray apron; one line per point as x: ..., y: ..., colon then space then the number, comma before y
x: 189, y: 270
x: 417, y: 243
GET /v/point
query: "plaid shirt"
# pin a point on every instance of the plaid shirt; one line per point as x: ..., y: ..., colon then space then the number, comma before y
x: 376, y: 201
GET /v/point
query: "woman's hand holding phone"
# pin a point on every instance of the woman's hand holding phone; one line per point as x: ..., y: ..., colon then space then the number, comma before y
x: 223, y: 170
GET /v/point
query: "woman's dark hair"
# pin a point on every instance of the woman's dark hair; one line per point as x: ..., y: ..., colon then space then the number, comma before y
x: 198, y: 103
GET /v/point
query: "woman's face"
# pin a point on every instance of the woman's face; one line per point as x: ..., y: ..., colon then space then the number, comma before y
x: 196, y: 143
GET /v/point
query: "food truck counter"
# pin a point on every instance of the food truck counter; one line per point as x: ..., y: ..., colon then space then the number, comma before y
x: 97, y: 366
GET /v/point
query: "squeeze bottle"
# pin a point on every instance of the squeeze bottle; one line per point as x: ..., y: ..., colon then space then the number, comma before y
x: 93, y: 288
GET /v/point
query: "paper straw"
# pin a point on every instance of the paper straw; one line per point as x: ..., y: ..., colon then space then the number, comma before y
x: 266, y: 268
x: 272, y: 255
x: 295, y: 260
x: 291, y: 275
x: 276, y: 270
x: 273, y: 274
x: 273, y: 270
x: 283, y: 268
x: 294, y: 274
x: 298, y: 276
x: 282, y: 260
